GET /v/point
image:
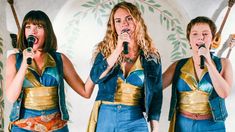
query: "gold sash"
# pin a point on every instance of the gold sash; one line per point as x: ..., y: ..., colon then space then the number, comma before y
x: 127, y: 94
x: 40, y: 98
x: 196, y: 102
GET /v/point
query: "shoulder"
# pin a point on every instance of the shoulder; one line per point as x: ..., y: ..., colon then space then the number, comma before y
x: 178, y: 64
x: 64, y: 58
x: 225, y: 62
x: 11, y: 58
x: 154, y: 57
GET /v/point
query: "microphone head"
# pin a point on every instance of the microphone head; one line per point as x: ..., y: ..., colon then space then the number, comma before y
x: 31, y: 39
x: 125, y: 30
x: 202, y: 45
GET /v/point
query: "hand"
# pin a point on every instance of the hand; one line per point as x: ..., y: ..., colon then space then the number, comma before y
x: 154, y: 130
x: 27, y: 53
x: 121, y: 38
x: 206, y: 53
x: 154, y: 125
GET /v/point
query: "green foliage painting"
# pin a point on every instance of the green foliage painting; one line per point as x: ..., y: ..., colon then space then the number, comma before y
x: 100, y: 9
x: 1, y: 87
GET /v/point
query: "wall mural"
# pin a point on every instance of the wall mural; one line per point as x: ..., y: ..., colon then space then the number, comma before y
x: 101, y: 9
x: 1, y: 87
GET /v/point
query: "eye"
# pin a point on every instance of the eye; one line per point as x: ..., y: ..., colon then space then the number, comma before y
x: 205, y: 34
x: 129, y: 18
x: 39, y: 26
x: 27, y: 26
x: 117, y: 20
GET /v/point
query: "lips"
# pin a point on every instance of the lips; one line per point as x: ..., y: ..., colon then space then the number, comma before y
x: 36, y: 40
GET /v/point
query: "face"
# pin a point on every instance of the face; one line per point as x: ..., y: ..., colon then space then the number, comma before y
x: 38, y: 32
x: 200, y: 34
x: 124, y: 20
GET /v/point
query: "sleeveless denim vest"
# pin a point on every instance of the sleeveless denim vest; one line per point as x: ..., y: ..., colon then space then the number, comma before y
x: 15, y: 113
x: 217, y: 104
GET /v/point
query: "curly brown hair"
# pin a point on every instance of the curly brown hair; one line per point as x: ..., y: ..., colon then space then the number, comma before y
x: 110, y: 40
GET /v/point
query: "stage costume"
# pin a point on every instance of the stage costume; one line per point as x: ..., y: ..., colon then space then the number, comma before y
x: 41, y: 104
x: 195, y: 106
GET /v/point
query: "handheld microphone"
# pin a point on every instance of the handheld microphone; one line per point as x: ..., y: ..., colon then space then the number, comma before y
x: 125, y: 43
x: 125, y: 46
x: 202, y: 58
x: 31, y: 39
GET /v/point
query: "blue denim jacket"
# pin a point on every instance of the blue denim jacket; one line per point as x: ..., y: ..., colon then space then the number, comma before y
x: 217, y: 104
x: 152, y: 86
x: 15, y: 113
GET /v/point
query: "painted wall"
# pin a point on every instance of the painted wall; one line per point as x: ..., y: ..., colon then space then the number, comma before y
x: 80, y: 25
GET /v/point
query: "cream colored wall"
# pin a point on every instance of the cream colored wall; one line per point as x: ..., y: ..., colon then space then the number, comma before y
x: 77, y: 36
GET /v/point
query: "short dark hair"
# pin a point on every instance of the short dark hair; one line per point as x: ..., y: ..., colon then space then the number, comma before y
x: 201, y: 19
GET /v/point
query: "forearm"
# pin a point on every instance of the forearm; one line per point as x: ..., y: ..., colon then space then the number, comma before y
x: 111, y: 60
x: 221, y: 86
x: 89, y: 87
x: 14, y: 87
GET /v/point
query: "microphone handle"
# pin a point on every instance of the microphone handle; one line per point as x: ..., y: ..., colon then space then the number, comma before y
x: 29, y: 61
x: 125, y: 46
x: 202, y: 61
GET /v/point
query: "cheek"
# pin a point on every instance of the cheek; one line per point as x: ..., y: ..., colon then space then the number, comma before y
x: 26, y: 33
x: 118, y: 30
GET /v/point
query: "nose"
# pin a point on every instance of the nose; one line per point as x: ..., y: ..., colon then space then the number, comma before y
x: 124, y: 23
x: 34, y: 31
x: 201, y: 37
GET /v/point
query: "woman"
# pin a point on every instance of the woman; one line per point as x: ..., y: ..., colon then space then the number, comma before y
x: 129, y: 82
x: 37, y: 89
x: 197, y: 102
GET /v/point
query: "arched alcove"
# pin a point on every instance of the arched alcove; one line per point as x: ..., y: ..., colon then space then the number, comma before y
x: 80, y: 25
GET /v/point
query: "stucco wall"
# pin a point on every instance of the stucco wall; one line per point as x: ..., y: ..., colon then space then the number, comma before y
x: 78, y: 33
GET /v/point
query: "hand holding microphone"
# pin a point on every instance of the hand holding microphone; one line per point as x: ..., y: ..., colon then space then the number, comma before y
x: 202, y: 58
x: 125, y: 43
x: 30, y: 40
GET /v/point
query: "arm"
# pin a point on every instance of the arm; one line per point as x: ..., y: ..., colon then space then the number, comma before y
x: 102, y: 66
x: 14, y: 78
x: 167, y: 76
x: 74, y: 80
x: 222, y: 81
x: 111, y: 60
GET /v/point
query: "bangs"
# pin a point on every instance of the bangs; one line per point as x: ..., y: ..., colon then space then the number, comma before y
x: 35, y: 22
x: 35, y: 18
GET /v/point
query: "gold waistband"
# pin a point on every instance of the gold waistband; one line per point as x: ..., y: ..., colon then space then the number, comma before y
x: 196, y: 102
x: 40, y: 98
x: 127, y: 94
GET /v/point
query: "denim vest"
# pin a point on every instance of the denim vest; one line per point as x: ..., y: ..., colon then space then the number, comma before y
x: 15, y: 113
x: 152, y: 87
x: 217, y: 104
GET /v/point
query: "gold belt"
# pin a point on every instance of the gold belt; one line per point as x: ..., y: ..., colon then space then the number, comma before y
x: 196, y: 102
x: 40, y: 98
x: 127, y: 94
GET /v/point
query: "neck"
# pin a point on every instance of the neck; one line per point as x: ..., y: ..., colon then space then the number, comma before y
x: 38, y: 53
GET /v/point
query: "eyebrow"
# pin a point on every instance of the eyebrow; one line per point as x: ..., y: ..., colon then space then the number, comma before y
x: 125, y: 17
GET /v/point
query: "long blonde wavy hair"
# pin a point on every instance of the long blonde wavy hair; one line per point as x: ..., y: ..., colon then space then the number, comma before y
x: 109, y: 42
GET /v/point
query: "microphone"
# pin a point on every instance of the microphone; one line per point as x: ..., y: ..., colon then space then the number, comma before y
x: 31, y: 39
x: 125, y: 43
x: 202, y: 58
x: 125, y: 46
